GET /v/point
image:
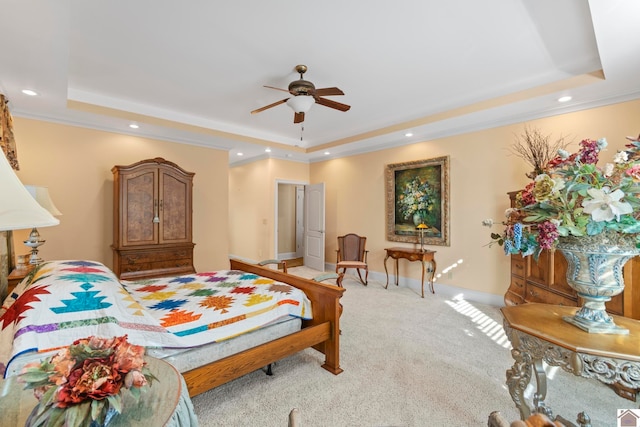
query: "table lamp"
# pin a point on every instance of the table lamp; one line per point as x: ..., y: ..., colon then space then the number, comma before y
x: 18, y: 210
x: 41, y: 195
x: 421, y: 229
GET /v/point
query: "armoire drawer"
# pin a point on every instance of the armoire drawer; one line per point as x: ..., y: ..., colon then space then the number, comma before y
x: 537, y: 294
x: 518, y: 265
x: 153, y: 256
x: 517, y: 286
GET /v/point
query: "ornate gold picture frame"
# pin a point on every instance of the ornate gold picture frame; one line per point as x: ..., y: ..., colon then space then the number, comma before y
x: 418, y: 192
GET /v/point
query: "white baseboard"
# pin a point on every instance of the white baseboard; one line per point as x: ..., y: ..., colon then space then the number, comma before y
x: 288, y: 255
x: 440, y: 289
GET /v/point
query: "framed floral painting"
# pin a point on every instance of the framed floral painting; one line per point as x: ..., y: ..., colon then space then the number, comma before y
x: 417, y: 192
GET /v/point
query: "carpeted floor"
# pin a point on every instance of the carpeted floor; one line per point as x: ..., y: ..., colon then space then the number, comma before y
x: 407, y: 361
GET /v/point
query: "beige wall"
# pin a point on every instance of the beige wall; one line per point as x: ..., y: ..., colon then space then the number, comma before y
x: 234, y: 208
x: 75, y: 163
x: 482, y: 171
x: 252, y: 208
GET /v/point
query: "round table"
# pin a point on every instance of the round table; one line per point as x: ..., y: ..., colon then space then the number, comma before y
x: 163, y: 402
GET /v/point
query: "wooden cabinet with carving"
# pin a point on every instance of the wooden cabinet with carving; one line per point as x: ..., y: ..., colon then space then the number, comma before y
x: 545, y: 281
x: 152, y: 231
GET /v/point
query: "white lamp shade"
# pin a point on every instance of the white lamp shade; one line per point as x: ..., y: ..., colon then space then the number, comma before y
x: 18, y: 210
x: 301, y: 103
x: 41, y: 194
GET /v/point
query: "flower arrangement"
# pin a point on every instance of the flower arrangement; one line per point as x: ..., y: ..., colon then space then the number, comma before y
x: 572, y: 196
x: 537, y: 149
x: 416, y: 198
x: 81, y: 384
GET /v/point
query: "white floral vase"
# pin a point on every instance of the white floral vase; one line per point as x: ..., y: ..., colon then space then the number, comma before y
x: 417, y: 219
x: 595, y: 272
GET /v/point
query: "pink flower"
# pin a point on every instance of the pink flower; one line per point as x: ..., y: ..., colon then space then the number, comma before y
x: 135, y: 379
x: 547, y: 234
x: 589, y: 151
x: 129, y: 357
x: 634, y: 171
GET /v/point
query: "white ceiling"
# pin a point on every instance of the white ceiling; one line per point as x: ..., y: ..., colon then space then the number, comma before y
x: 191, y: 71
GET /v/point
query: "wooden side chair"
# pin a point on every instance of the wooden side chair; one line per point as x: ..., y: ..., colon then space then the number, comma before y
x: 353, y: 254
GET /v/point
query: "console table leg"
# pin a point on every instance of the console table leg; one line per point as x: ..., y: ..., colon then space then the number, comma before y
x: 397, y: 271
x: 422, y: 282
x: 518, y: 377
x: 541, y: 389
x: 386, y: 271
x: 433, y: 275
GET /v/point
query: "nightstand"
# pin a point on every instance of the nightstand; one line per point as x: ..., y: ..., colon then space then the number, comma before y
x: 17, y: 275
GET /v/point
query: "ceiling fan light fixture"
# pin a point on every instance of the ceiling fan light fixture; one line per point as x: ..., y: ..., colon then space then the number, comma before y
x: 301, y: 103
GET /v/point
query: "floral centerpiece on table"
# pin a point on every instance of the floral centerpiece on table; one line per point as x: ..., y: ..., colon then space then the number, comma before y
x: 416, y: 198
x: 572, y: 196
x: 82, y: 384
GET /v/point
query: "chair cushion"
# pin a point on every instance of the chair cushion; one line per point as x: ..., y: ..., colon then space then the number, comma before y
x: 351, y: 264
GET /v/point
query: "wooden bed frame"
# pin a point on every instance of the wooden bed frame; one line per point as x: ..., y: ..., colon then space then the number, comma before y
x: 322, y: 333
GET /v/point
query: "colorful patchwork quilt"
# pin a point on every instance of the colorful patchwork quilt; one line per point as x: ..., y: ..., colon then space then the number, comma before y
x: 62, y: 301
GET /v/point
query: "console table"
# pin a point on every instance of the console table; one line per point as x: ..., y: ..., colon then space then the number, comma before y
x: 165, y: 403
x: 538, y: 334
x: 412, y: 255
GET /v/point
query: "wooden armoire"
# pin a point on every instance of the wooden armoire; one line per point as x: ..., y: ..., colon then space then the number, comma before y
x: 152, y: 220
x: 545, y: 281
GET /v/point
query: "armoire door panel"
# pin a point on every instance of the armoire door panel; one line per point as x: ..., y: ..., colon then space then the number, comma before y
x: 175, y: 201
x: 139, y: 203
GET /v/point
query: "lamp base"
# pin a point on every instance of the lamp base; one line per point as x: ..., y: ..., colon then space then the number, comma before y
x: 34, y: 242
x: 34, y: 259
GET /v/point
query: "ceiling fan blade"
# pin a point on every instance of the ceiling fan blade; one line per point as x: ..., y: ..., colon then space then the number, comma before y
x: 298, y: 117
x: 282, y: 101
x: 328, y: 91
x: 276, y: 88
x: 332, y: 104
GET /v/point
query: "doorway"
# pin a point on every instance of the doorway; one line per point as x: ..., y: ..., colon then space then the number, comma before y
x: 289, y: 227
x: 299, y: 224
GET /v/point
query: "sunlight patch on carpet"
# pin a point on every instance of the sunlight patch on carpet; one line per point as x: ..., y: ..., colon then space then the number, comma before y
x: 484, y: 323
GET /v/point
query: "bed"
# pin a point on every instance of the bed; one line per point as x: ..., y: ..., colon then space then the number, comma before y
x: 65, y: 300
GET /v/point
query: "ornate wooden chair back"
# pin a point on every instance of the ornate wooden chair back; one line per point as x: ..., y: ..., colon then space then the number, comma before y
x: 352, y: 253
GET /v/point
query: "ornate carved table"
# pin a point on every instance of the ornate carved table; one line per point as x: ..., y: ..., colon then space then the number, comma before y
x: 538, y: 334
x: 412, y: 255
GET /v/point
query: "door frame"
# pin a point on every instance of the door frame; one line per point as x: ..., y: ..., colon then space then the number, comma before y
x: 275, y: 209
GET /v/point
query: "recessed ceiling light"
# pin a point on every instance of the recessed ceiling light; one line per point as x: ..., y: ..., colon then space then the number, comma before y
x: 29, y: 92
x: 564, y: 98
x: 267, y: 150
x: 326, y: 153
x: 134, y: 126
x: 408, y: 134
x: 240, y: 154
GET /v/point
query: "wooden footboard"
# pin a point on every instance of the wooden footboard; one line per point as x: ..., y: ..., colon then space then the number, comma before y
x: 322, y: 333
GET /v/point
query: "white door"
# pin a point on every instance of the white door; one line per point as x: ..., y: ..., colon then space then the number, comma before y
x: 314, y: 226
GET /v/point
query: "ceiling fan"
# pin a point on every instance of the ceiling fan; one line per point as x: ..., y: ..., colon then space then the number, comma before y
x: 304, y: 96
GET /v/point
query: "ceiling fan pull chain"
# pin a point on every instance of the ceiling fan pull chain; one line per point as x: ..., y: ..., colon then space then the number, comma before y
x: 301, y: 132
